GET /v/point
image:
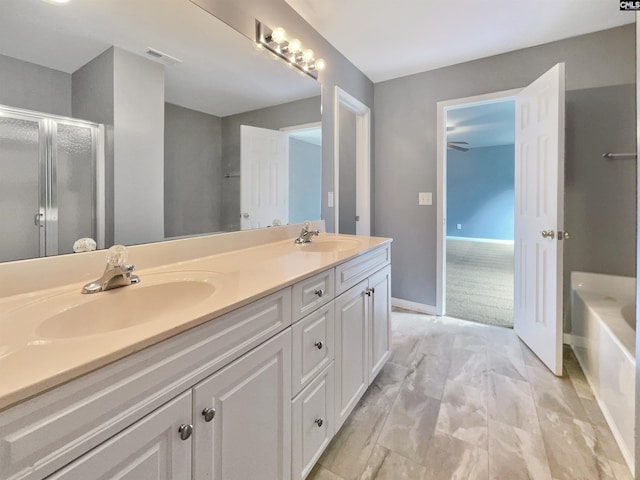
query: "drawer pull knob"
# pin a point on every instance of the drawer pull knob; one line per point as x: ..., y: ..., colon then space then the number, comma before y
x: 319, y: 422
x: 319, y: 345
x: 209, y: 414
x: 319, y: 292
x: 185, y: 431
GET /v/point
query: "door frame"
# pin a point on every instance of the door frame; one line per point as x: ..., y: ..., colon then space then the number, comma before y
x: 441, y: 168
x: 363, y: 160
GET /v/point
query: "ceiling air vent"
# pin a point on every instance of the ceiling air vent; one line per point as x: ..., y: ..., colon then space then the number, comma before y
x: 161, y: 57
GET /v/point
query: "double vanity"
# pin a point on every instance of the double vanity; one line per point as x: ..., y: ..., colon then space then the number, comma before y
x: 237, y: 356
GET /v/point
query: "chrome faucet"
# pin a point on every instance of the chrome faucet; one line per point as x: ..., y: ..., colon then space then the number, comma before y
x: 306, y: 234
x: 116, y: 274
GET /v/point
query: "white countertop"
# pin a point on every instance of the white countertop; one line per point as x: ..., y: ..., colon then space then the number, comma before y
x: 32, y: 362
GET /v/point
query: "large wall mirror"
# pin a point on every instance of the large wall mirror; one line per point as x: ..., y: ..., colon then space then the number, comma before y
x: 141, y: 121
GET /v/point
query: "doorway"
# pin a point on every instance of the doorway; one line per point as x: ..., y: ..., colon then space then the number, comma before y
x: 479, y: 211
x: 351, y: 198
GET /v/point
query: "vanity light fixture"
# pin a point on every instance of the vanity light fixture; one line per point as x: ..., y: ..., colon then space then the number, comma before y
x: 290, y: 50
x: 56, y: 2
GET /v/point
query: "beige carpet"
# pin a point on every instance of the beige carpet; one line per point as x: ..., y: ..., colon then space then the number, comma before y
x: 480, y: 282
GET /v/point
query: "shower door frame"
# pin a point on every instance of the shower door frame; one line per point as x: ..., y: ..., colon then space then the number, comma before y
x: 47, y: 216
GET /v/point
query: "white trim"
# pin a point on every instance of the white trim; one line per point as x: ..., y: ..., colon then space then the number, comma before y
x: 302, y: 127
x: 441, y: 136
x: 417, y: 307
x: 100, y: 190
x: 363, y: 160
x: 481, y: 240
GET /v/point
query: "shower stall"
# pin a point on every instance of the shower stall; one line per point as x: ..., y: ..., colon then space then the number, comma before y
x: 51, y: 191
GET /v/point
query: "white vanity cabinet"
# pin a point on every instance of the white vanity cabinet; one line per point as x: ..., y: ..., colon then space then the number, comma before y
x: 362, y: 328
x: 158, y: 447
x: 243, y: 416
x: 257, y: 393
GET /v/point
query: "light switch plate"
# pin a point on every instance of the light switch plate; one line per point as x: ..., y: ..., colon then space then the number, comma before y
x: 425, y: 198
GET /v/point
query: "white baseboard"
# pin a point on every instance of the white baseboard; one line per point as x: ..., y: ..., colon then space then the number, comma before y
x: 417, y: 307
x: 481, y: 240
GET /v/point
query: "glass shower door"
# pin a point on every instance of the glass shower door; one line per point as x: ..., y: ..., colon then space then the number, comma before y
x: 48, y: 183
x: 21, y: 194
x: 73, y: 154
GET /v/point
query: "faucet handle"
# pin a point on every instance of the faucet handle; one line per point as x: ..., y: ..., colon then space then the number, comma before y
x: 117, y: 255
x: 306, y: 226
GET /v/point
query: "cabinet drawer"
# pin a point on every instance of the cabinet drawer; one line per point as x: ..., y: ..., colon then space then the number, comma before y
x: 313, y: 423
x: 354, y: 271
x: 312, y: 293
x: 312, y: 346
x: 41, y: 435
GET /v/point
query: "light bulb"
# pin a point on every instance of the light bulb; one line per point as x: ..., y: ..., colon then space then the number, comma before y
x: 321, y: 64
x: 307, y: 55
x: 295, y: 45
x: 278, y: 35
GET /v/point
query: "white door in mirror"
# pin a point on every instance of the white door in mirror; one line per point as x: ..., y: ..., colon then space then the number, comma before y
x: 264, y: 177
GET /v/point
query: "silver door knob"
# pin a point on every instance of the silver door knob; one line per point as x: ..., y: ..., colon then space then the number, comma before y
x: 319, y: 422
x: 209, y: 414
x: 563, y: 236
x: 548, y: 234
x: 319, y: 345
x: 185, y: 431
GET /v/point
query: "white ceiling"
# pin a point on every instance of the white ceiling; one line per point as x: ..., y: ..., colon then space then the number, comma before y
x: 389, y: 39
x: 221, y: 72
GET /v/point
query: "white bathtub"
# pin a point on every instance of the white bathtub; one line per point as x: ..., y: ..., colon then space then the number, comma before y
x: 603, y: 323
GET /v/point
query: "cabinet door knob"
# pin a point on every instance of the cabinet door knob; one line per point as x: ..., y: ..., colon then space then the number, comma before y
x: 319, y: 345
x: 319, y: 292
x: 185, y: 431
x: 319, y: 422
x: 209, y: 414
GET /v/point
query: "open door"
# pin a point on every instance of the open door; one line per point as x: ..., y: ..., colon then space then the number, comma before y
x: 539, y: 216
x: 264, y: 177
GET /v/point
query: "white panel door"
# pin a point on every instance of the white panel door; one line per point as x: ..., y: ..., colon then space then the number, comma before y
x: 264, y: 177
x: 539, y: 215
x: 150, y: 449
x: 249, y: 436
x: 352, y: 349
x: 380, y: 324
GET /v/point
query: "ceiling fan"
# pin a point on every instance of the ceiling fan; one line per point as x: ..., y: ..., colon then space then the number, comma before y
x: 456, y: 146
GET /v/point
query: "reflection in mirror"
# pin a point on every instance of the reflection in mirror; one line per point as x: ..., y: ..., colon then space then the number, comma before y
x: 162, y: 91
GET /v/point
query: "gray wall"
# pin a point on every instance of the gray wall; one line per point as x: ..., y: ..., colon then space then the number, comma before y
x: 192, y: 171
x: 600, y: 195
x: 347, y: 177
x: 339, y: 71
x: 405, y: 137
x: 33, y: 87
x: 138, y: 181
x: 300, y: 112
x: 92, y: 99
x: 305, y: 180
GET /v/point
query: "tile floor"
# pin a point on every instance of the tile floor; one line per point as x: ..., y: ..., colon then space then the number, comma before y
x: 465, y: 401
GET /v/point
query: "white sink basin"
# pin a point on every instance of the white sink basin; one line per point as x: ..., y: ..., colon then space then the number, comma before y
x: 320, y: 245
x: 157, y: 296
